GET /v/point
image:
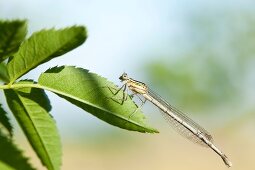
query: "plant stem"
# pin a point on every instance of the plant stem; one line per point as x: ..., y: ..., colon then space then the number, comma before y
x: 29, y: 85
x: 18, y: 86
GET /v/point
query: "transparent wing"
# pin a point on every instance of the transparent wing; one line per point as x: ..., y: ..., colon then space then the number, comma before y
x: 180, y: 128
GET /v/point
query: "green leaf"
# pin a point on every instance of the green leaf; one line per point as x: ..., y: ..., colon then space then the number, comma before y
x: 11, y: 158
x: 3, y: 73
x: 30, y: 107
x: 12, y: 33
x: 5, y: 167
x: 5, y: 122
x: 42, y: 47
x: 92, y: 93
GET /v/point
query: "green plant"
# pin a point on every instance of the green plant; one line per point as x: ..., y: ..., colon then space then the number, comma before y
x: 29, y: 103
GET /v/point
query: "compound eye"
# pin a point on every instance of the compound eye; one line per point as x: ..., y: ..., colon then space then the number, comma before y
x: 123, y: 77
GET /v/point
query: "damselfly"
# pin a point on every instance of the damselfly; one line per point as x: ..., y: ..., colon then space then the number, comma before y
x: 183, y: 124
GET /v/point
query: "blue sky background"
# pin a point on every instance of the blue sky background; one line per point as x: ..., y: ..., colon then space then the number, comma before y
x: 127, y: 35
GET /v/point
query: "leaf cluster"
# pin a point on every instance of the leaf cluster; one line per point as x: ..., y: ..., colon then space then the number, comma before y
x: 29, y: 103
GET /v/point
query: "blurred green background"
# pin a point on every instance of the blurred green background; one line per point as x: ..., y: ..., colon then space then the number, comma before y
x: 199, y: 55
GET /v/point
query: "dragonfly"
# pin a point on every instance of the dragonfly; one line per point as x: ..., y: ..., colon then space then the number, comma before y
x: 179, y: 121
